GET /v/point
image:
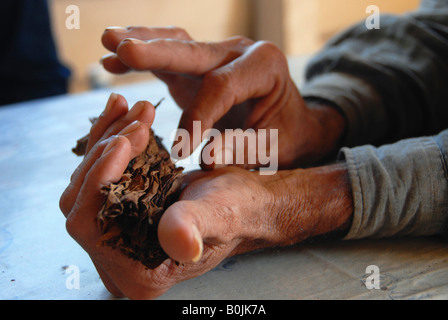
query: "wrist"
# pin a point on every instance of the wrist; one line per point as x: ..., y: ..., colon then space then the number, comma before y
x: 331, y: 127
x: 310, y: 202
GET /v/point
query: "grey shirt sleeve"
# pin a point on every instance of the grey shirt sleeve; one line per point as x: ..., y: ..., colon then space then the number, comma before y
x: 391, y: 85
x: 399, y: 189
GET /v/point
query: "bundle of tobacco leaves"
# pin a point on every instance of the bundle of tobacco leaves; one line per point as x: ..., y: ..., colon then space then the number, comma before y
x: 134, y: 205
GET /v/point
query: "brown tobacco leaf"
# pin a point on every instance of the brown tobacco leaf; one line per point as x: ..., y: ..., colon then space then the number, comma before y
x: 134, y: 205
x: 81, y: 144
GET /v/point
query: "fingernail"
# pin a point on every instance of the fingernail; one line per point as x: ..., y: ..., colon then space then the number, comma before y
x: 199, y: 244
x: 135, y: 111
x: 111, y: 102
x: 110, y: 145
x: 105, y: 57
x: 117, y: 29
x: 134, y: 41
x: 130, y: 128
x: 223, y: 158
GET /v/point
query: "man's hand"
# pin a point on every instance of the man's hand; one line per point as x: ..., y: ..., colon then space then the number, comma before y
x: 236, y: 83
x: 220, y: 213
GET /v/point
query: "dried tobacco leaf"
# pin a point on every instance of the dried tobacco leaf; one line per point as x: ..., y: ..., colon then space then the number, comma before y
x: 81, y: 144
x: 134, y: 205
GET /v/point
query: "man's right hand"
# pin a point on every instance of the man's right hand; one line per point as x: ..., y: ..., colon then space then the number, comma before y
x: 236, y: 83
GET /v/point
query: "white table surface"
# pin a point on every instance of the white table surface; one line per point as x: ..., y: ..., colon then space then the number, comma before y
x: 35, y: 166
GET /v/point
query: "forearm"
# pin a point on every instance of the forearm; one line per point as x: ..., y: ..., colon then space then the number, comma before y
x: 395, y: 190
x: 310, y: 202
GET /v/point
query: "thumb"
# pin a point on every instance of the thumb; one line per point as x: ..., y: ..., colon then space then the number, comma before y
x: 179, y: 233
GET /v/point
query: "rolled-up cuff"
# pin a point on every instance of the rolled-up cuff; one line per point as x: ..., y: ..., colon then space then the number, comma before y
x: 399, y: 189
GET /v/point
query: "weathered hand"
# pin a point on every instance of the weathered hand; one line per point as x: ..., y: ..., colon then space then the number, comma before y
x: 115, y: 138
x: 236, y: 83
x: 220, y: 213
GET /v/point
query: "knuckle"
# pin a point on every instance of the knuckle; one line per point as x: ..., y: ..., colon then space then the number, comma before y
x: 269, y: 51
x: 228, y: 215
x: 64, y: 204
x: 197, y: 49
x: 267, y: 46
x: 219, y: 80
x: 131, y: 54
x: 221, y: 83
x: 179, y: 33
x: 71, y: 227
x: 242, y: 40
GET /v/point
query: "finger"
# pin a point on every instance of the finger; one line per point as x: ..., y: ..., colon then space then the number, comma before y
x: 179, y: 56
x: 142, y: 111
x: 112, y: 122
x: 112, y: 36
x: 116, y: 107
x: 179, y: 85
x: 81, y: 222
x: 112, y: 64
x: 137, y: 133
x: 233, y: 84
x: 186, y: 225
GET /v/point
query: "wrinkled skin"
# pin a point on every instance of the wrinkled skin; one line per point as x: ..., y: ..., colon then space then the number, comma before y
x: 222, y: 212
x: 236, y: 83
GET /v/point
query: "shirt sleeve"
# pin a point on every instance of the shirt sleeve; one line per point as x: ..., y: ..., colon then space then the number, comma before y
x: 399, y: 189
x: 390, y: 83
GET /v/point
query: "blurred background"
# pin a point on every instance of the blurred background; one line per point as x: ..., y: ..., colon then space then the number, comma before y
x: 298, y: 27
